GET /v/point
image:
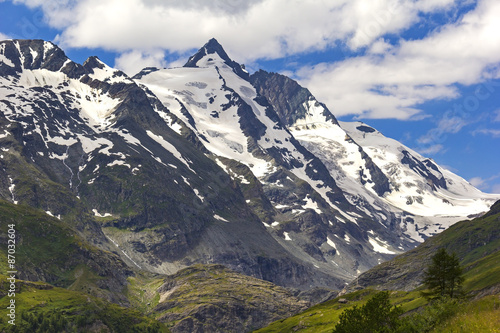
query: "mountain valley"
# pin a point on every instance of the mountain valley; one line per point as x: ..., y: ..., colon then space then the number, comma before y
x: 136, y: 191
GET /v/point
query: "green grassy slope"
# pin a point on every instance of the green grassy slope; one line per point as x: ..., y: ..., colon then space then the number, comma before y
x: 476, y: 242
x: 320, y: 318
x: 41, y: 307
x: 49, y: 250
x: 482, y: 315
x: 323, y: 317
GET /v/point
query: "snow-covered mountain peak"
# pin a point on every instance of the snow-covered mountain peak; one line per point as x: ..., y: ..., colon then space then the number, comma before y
x: 174, y: 151
x: 213, y: 54
x: 19, y: 55
x: 98, y: 70
x: 35, y: 69
x: 208, y: 100
x: 94, y: 62
x: 212, y: 47
x: 419, y: 185
x: 380, y: 174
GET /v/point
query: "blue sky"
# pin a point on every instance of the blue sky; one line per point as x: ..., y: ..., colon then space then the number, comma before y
x: 424, y: 72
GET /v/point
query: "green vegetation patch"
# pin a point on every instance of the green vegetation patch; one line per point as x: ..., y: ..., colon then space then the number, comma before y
x: 49, y: 250
x: 320, y: 318
x: 43, y: 308
x: 478, y: 316
x: 42, y: 242
x: 483, y: 273
x: 142, y: 291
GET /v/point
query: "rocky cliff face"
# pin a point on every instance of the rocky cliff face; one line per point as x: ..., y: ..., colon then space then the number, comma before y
x: 393, y: 184
x: 207, y: 164
x: 90, y: 137
x: 223, y: 301
x: 298, y: 108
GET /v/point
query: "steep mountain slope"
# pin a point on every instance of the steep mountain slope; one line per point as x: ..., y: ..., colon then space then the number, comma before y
x: 80, y: 281
x: 476, y: 242
x: 223, y: 301
x: 89, y: 137
x: 42, y: 307
x: 392, y: 183
x: 425, y: 188
x: 473, y: 241
x: 208, y: 164
x: 297, y: 198
x: 52, y: 252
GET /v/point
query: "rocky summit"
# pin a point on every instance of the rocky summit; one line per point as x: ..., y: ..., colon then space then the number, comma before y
x: 209, y: 164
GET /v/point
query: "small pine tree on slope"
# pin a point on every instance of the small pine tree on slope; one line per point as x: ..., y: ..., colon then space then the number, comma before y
x: 443, y: 277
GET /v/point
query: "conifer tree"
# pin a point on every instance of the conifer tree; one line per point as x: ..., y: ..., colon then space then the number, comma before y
x: 443, y: 277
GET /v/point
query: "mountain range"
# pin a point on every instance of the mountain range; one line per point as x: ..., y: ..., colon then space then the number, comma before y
x: 205, y: 164
x: 476, y: 245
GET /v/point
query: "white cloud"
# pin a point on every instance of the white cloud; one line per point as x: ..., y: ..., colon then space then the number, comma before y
x: 477, y: 182
x: 248, y: 29
x: 492, y: 132
x: 431, y: 150
x: 3, y: 36
x: 386, y: 81
x: 380, y: 47
x: 132, y: 62
x: 369, y: 20
x: 377, y: 87
x: 486, y: 184
x: 393, y: 84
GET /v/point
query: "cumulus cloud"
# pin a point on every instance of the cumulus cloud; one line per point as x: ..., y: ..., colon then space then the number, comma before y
x: 252, y: 29
x: 3, y: 36
x: 222, y: 6
x: 392, y: 83
x: 132, y: 62
x: 386, y: 80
